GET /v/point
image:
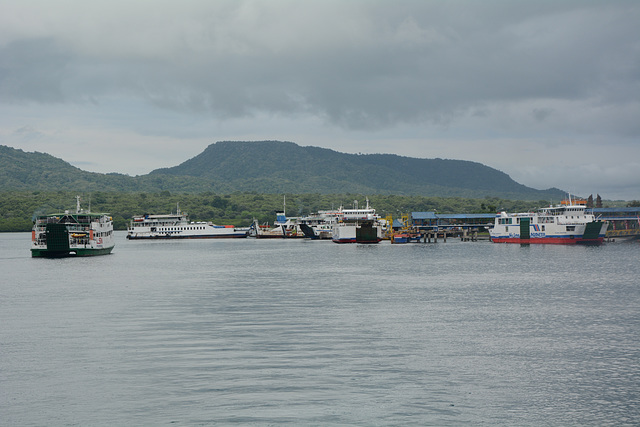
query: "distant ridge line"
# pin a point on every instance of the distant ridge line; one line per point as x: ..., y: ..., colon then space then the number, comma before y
x: 276, y: 167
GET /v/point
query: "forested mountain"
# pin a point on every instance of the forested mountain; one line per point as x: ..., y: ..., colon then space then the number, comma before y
x: 276, y: 167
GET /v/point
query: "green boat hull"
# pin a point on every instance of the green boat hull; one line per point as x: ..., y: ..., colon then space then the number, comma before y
x: 46, y: 253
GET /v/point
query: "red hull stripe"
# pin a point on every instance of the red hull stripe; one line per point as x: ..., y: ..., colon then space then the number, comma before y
x: 548, y: 240
x: 345, y: 240
x: 354, y: 241
x: 173, y: 236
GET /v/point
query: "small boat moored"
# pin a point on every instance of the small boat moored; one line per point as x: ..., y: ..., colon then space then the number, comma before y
x: 405, y: 237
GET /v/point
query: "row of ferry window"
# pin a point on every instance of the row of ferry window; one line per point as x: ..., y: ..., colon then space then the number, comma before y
x: 103, y: 234
x: 181, y: 228
x: 568, y: 228
x: 541, y: 228
x: 507, y: 221
x: 541, y: 220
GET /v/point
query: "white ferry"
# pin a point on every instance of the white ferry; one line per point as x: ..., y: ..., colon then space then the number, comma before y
x: 283, y: 227
x: 357, y: 226
x: 72, y: 234
x: 178, y: 226
x: 565, y: 224
x: 319, y: 225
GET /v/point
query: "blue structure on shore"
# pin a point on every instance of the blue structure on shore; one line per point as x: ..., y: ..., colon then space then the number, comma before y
x: 432, y: 220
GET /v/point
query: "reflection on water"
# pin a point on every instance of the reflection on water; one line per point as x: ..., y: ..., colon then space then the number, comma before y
x: 301, y: 332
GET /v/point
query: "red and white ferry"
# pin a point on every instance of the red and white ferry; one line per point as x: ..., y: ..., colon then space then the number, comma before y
x: 565, y: 224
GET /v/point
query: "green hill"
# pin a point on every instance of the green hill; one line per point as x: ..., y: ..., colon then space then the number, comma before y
x: 275, y: 167
x: 20, y: 170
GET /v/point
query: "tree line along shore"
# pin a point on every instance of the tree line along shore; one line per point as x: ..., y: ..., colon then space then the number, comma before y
x: 18, y: 208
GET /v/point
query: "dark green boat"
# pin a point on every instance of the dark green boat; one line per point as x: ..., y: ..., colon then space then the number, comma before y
x: 72, y: 234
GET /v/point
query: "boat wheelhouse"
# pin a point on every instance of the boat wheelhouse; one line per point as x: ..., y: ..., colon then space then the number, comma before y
x: 72, y: 234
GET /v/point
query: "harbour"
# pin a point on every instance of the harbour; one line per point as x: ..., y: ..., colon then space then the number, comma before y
x: 276, y: 213
x: 572, y: 222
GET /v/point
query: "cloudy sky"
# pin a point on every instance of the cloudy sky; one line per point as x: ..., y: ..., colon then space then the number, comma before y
x: 546, y: 91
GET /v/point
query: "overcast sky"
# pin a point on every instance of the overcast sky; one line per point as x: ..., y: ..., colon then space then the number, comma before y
x: 546, y: 91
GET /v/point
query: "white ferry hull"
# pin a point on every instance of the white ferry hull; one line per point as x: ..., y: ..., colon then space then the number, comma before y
x: 354, y: 233
x: 178, y: 226
x: 178, y: 233
x: 553, y: 240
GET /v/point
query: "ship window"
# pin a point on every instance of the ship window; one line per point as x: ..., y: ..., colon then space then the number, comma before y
x: 543, y: 228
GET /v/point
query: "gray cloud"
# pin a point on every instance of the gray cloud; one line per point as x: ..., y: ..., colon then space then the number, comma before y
x: 423, y: 69
x: 379, y: 65
x: 32, y: 70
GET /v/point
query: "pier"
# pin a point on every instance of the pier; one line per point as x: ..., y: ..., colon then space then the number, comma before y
x: 430, y: 226
x: 623, y: 222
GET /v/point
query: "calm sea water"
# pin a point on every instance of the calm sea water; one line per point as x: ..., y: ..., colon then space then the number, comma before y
x: 271, y: 332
